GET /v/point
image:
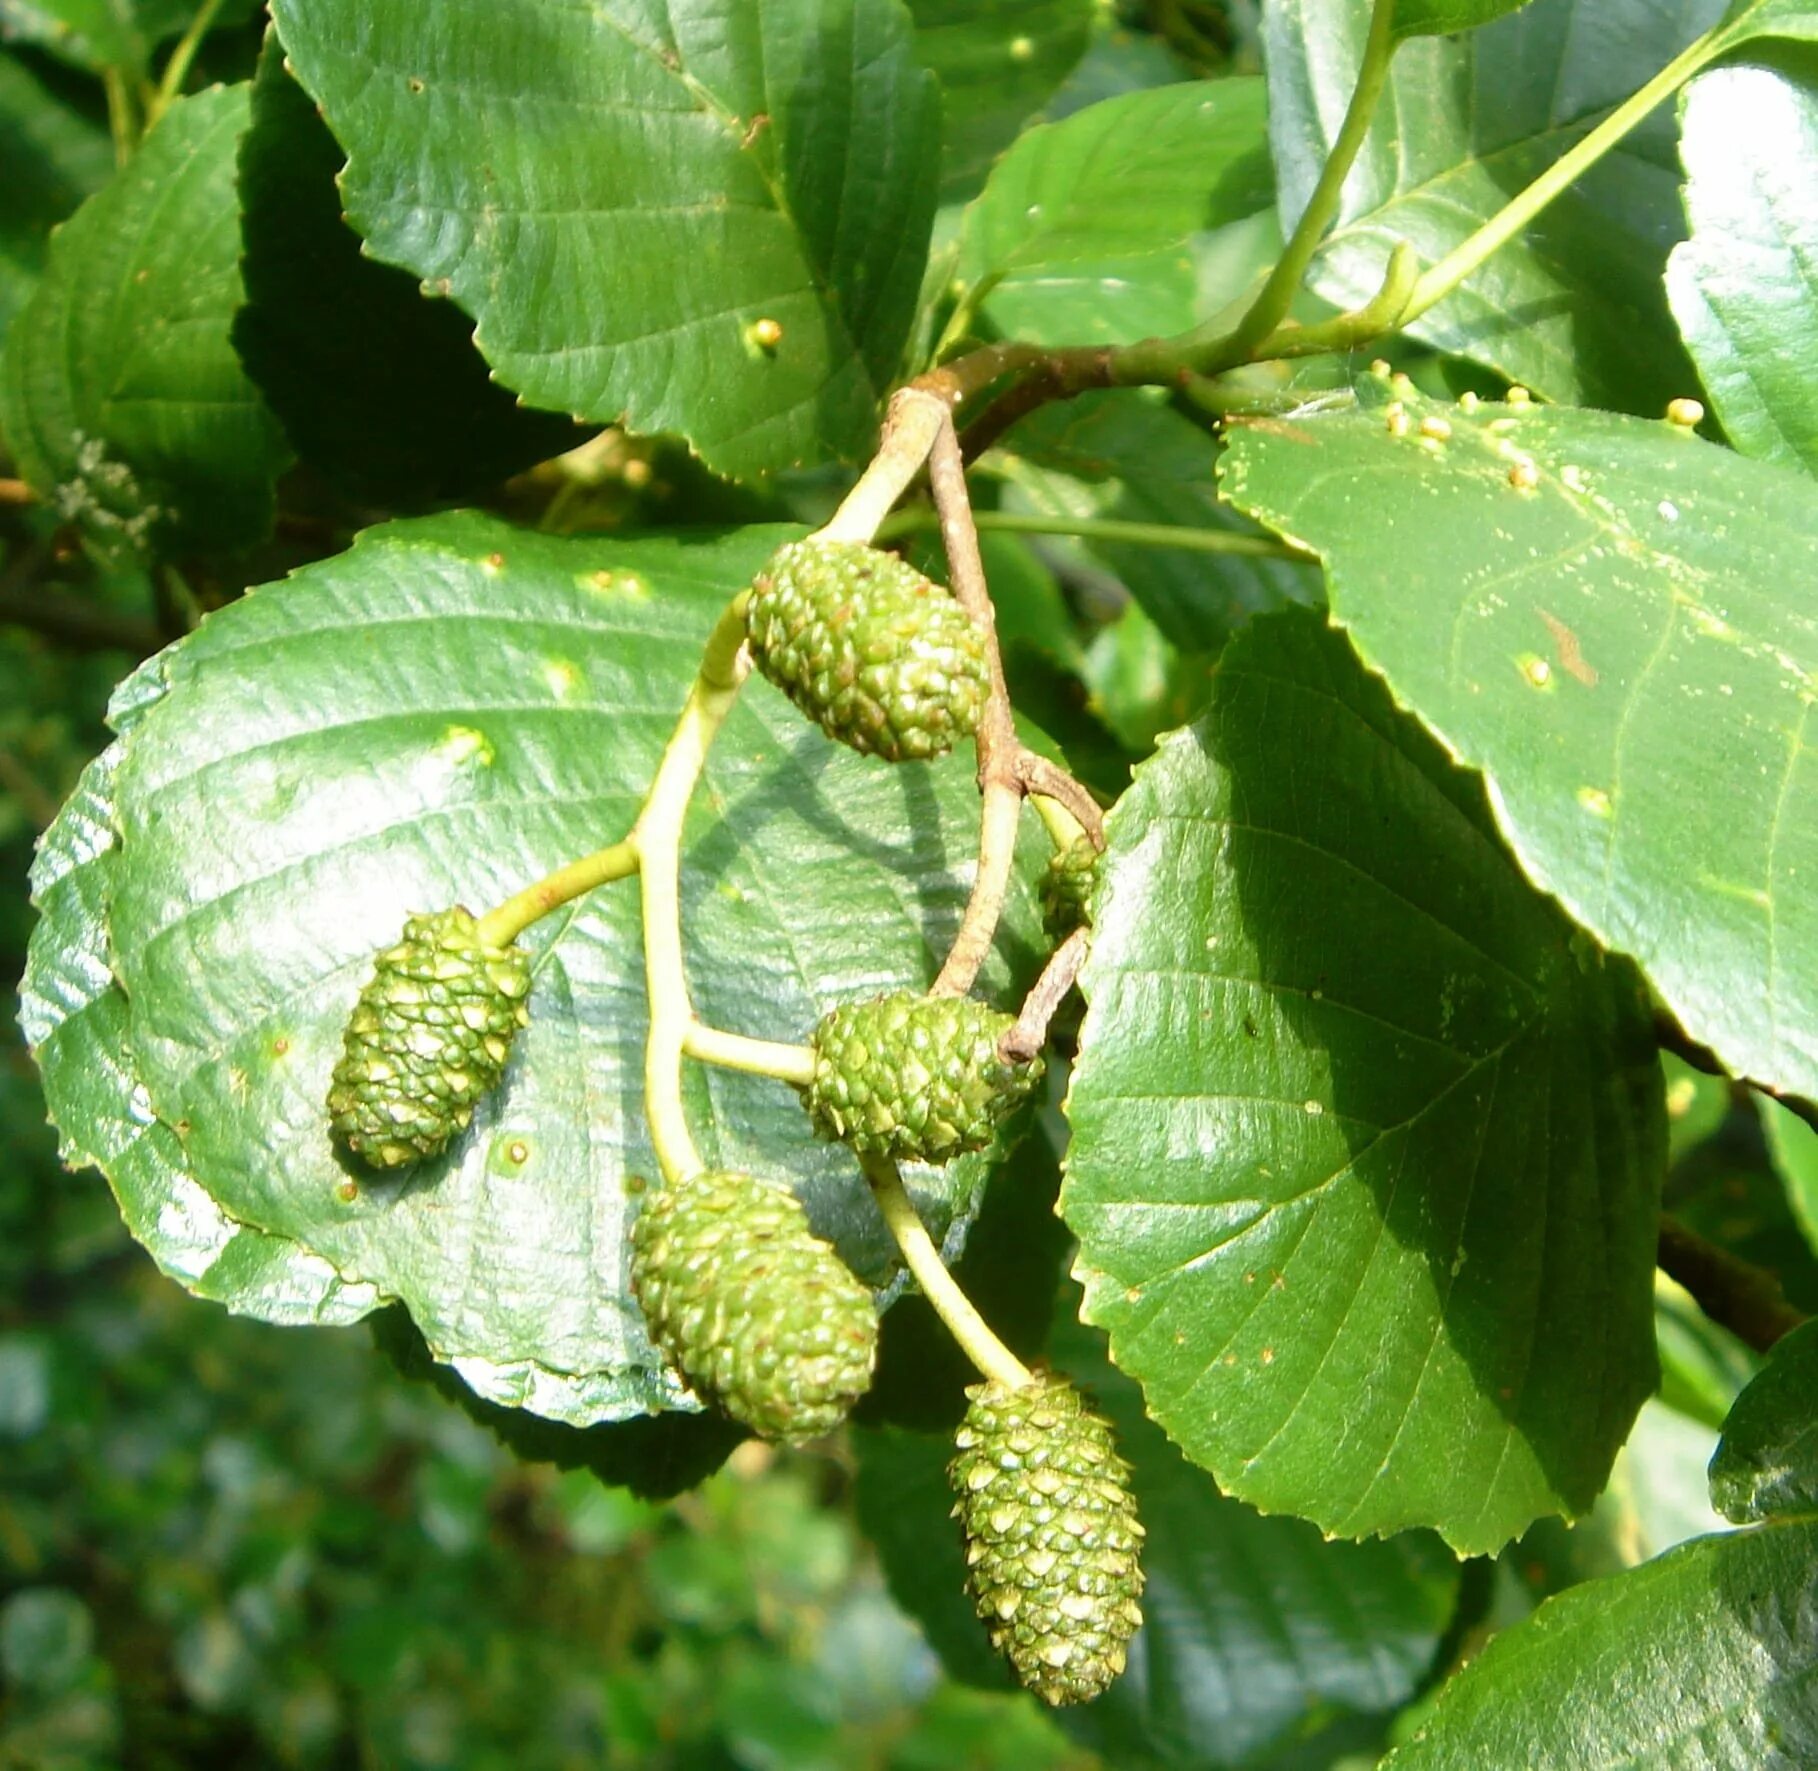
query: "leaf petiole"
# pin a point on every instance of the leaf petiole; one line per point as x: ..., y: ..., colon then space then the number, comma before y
x: 501, y: 926
x: 793, y: 1064
x: 1439, y: 280
x: 656, y: 838
x: 939, y: 1287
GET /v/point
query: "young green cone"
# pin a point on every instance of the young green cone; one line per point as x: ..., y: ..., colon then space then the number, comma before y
x: 879, y: 656
x: 1052, y: 1536
x: 916, y: 1078
x: 428, y: 1039
x: 756, y: 1311
x: 1066, y: 888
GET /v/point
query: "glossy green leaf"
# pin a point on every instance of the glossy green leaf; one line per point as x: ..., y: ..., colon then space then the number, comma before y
x: 1367, y: 1139
x: 440, y: 716
x: 1256, y: 1630
x: 1767, y: 1460
x: 1130, y: 458
x: 74, y: 1017
x: 1744, y: 287
x: 55, y: 155
x: 1433, y: 18
x: 998, y: 62
x: 120, y: 394
x: 378, y: 386
x: 617, y: 194
x: 1795, y: 1148
x: 1574, y: 307
x: 1706, y: 1657
x: 1083, y: 231
x: 1634, y: 621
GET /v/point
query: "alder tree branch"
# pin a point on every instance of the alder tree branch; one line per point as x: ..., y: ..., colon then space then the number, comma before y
x: 77, y: 622
x: 1671, y: 1037
x: 1022, y: 1041
x: 1736, y: 1294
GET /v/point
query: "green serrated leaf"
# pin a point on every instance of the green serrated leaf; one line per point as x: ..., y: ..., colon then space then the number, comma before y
x: 74, y: 1017
x: 439, y: 716
x: 1767, y: 1461
x: 1123, y: 456
x: 120, y: 394
x: 1743, y: 286
x: 1367, y: 1139
x: 1083, y: 232
x: 55, y: 155
x: 1723, y: 1627
x: 1574, y: 307
x: 1630, y: 622
x: 998, y: 62
x: 618, y: 194
x: 1255, y: 1629
x: 378, y: 386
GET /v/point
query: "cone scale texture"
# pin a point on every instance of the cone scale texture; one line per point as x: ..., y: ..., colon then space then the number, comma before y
x: 880, y: 657
x: 1052, y: 1536
x: 428, y: 1039
x: 756, y: 1311
x: 914, y: 1078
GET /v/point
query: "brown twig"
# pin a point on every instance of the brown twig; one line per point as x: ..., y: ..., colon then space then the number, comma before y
x: 40, y: 805
x: 1734, y: 1293
x: 1006, y: 770
x: 999, y: 779
x: 1049, y: 779
x: 1030, y: 1032
x: 1673, y: 1038
x: 76, y: 622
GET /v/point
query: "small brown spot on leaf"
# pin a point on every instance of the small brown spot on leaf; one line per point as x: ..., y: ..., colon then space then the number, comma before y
x: 1571, y: 657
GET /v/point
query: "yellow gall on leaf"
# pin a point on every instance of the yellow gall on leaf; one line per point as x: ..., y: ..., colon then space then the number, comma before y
x: 1687, y: 414
x: 766, y: 334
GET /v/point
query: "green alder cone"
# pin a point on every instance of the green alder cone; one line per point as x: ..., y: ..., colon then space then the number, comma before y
x: 1066, y: 888
x: 757, y: 1312
x: 877, y: 655
x: 1052, y: 1537
x: 914, y: 1078
x: 428, y: 1039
